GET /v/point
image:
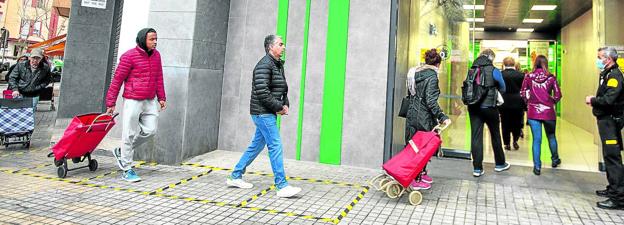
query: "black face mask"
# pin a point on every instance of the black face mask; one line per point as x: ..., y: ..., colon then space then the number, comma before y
x: 141, y: 39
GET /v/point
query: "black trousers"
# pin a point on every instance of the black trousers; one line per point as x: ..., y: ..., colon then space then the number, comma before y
x: 611, y: 139
x: 511, y: 121
x: 491, y: 117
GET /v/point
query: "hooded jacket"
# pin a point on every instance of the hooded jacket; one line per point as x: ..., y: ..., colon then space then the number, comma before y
x: 140, y: 73
x: 424, y: 112
x: 141, y: 39
x: 536, y: 92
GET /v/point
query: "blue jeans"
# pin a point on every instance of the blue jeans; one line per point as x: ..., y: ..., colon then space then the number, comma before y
x: 268, y: 134
x: 536, y: 130
x: 35, y: 102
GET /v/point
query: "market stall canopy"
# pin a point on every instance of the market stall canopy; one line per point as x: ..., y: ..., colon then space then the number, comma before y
x: 51, y: 47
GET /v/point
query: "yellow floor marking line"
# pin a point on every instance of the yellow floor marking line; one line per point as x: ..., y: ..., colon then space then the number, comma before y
x: 188, y: 199
x: 22, y: 152
x: 349, y: 207
x: 346, y: 184
x: 183, y: 181
x: 256, y: 196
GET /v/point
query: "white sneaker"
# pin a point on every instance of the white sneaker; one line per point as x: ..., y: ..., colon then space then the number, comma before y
x: 239, y: 183
x: 288, y: 191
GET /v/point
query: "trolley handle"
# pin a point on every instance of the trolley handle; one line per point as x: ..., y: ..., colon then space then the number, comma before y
x: 96, y: 120
x: 439, y: 128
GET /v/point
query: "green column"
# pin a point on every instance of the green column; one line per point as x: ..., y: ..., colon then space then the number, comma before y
x: 282, y: 27
x: 334, y: 83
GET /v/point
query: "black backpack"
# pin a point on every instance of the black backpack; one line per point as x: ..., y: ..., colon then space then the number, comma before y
x: 473, y: 93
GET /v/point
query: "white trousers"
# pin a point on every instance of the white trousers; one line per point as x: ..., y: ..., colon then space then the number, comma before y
x: 140, y: 121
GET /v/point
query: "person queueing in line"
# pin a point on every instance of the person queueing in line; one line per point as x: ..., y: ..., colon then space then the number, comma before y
x: 512, y: 110
x: 424, y: 112
x: 536, y: 92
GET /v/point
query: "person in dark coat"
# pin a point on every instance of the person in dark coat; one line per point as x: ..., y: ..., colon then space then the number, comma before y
x: 269, y: 97
x: 512, y: 110
x: 424, y: 112
x: 30, y: 77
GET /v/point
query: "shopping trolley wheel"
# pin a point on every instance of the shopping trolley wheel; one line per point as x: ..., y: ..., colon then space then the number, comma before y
x: 26, y: 145
x: 93, y: 165
x: 415, y: 198
x: 76, y: 160
x: 62, y: 171
x: 384, y: 182
x: 394, y: 190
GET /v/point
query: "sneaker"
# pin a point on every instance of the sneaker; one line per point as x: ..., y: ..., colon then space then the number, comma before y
x: 130, y: 176
x: 477, y: 172
x: 420, y: 185
x: 426, y: 178
x: 117, y: 154
x: 239, y: 183
x: 501, y: 168
x: 288, y: 191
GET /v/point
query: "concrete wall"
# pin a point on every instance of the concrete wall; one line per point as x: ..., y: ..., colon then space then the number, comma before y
x: 365, y: 84
x: 249, y: 22
x: 88, y: 59
x: 580, y: 76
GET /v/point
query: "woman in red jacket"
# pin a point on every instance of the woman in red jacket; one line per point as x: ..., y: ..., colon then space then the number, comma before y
x: 140, y: 70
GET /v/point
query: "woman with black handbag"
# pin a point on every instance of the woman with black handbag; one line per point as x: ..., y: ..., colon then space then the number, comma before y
x: 423, y: 111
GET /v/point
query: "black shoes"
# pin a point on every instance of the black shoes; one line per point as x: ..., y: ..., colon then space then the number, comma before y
x: 536, y: 171
x: 608, y: 204
x: 516, y: 146
x: 507, y: 147
x: 603, y: 193
x: 556, y: 163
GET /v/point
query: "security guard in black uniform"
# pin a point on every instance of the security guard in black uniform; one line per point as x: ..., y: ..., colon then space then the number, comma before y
x: 608, y: 107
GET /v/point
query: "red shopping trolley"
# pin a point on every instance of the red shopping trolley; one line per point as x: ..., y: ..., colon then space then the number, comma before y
x: 404, y: 167
x: 82, y: 136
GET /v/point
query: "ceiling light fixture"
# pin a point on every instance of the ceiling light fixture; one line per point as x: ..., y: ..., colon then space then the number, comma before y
x: 477, y: 20
x: 475, y: 7
x: 543, y: 7
x: 477, y: 29
x: 525, y: 30
x: 533, y: 20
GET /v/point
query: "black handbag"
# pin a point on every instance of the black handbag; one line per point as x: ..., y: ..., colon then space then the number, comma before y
x: 404, y: 107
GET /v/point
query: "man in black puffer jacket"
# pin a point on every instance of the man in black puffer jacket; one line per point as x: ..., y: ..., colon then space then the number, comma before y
x: 268, y: 98
x: 269, y: 88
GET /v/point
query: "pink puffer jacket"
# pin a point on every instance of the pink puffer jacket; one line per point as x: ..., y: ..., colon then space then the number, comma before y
x: 142, y: 77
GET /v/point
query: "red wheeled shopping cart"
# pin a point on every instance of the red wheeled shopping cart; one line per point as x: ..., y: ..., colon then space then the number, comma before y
x: 82, y: 136
x: 404, y: 167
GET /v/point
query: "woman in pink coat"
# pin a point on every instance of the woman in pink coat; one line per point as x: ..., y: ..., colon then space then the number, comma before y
x: 541, y: 92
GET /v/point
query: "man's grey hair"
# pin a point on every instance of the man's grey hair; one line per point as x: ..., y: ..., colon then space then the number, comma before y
x: 610, y: 52
x: 269, y: 40
x: 488, y: 53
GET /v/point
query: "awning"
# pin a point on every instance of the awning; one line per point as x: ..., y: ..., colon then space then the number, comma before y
x: 47, y: 42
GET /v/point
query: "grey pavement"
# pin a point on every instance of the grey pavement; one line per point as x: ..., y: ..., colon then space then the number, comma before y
x: 194, y: 193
